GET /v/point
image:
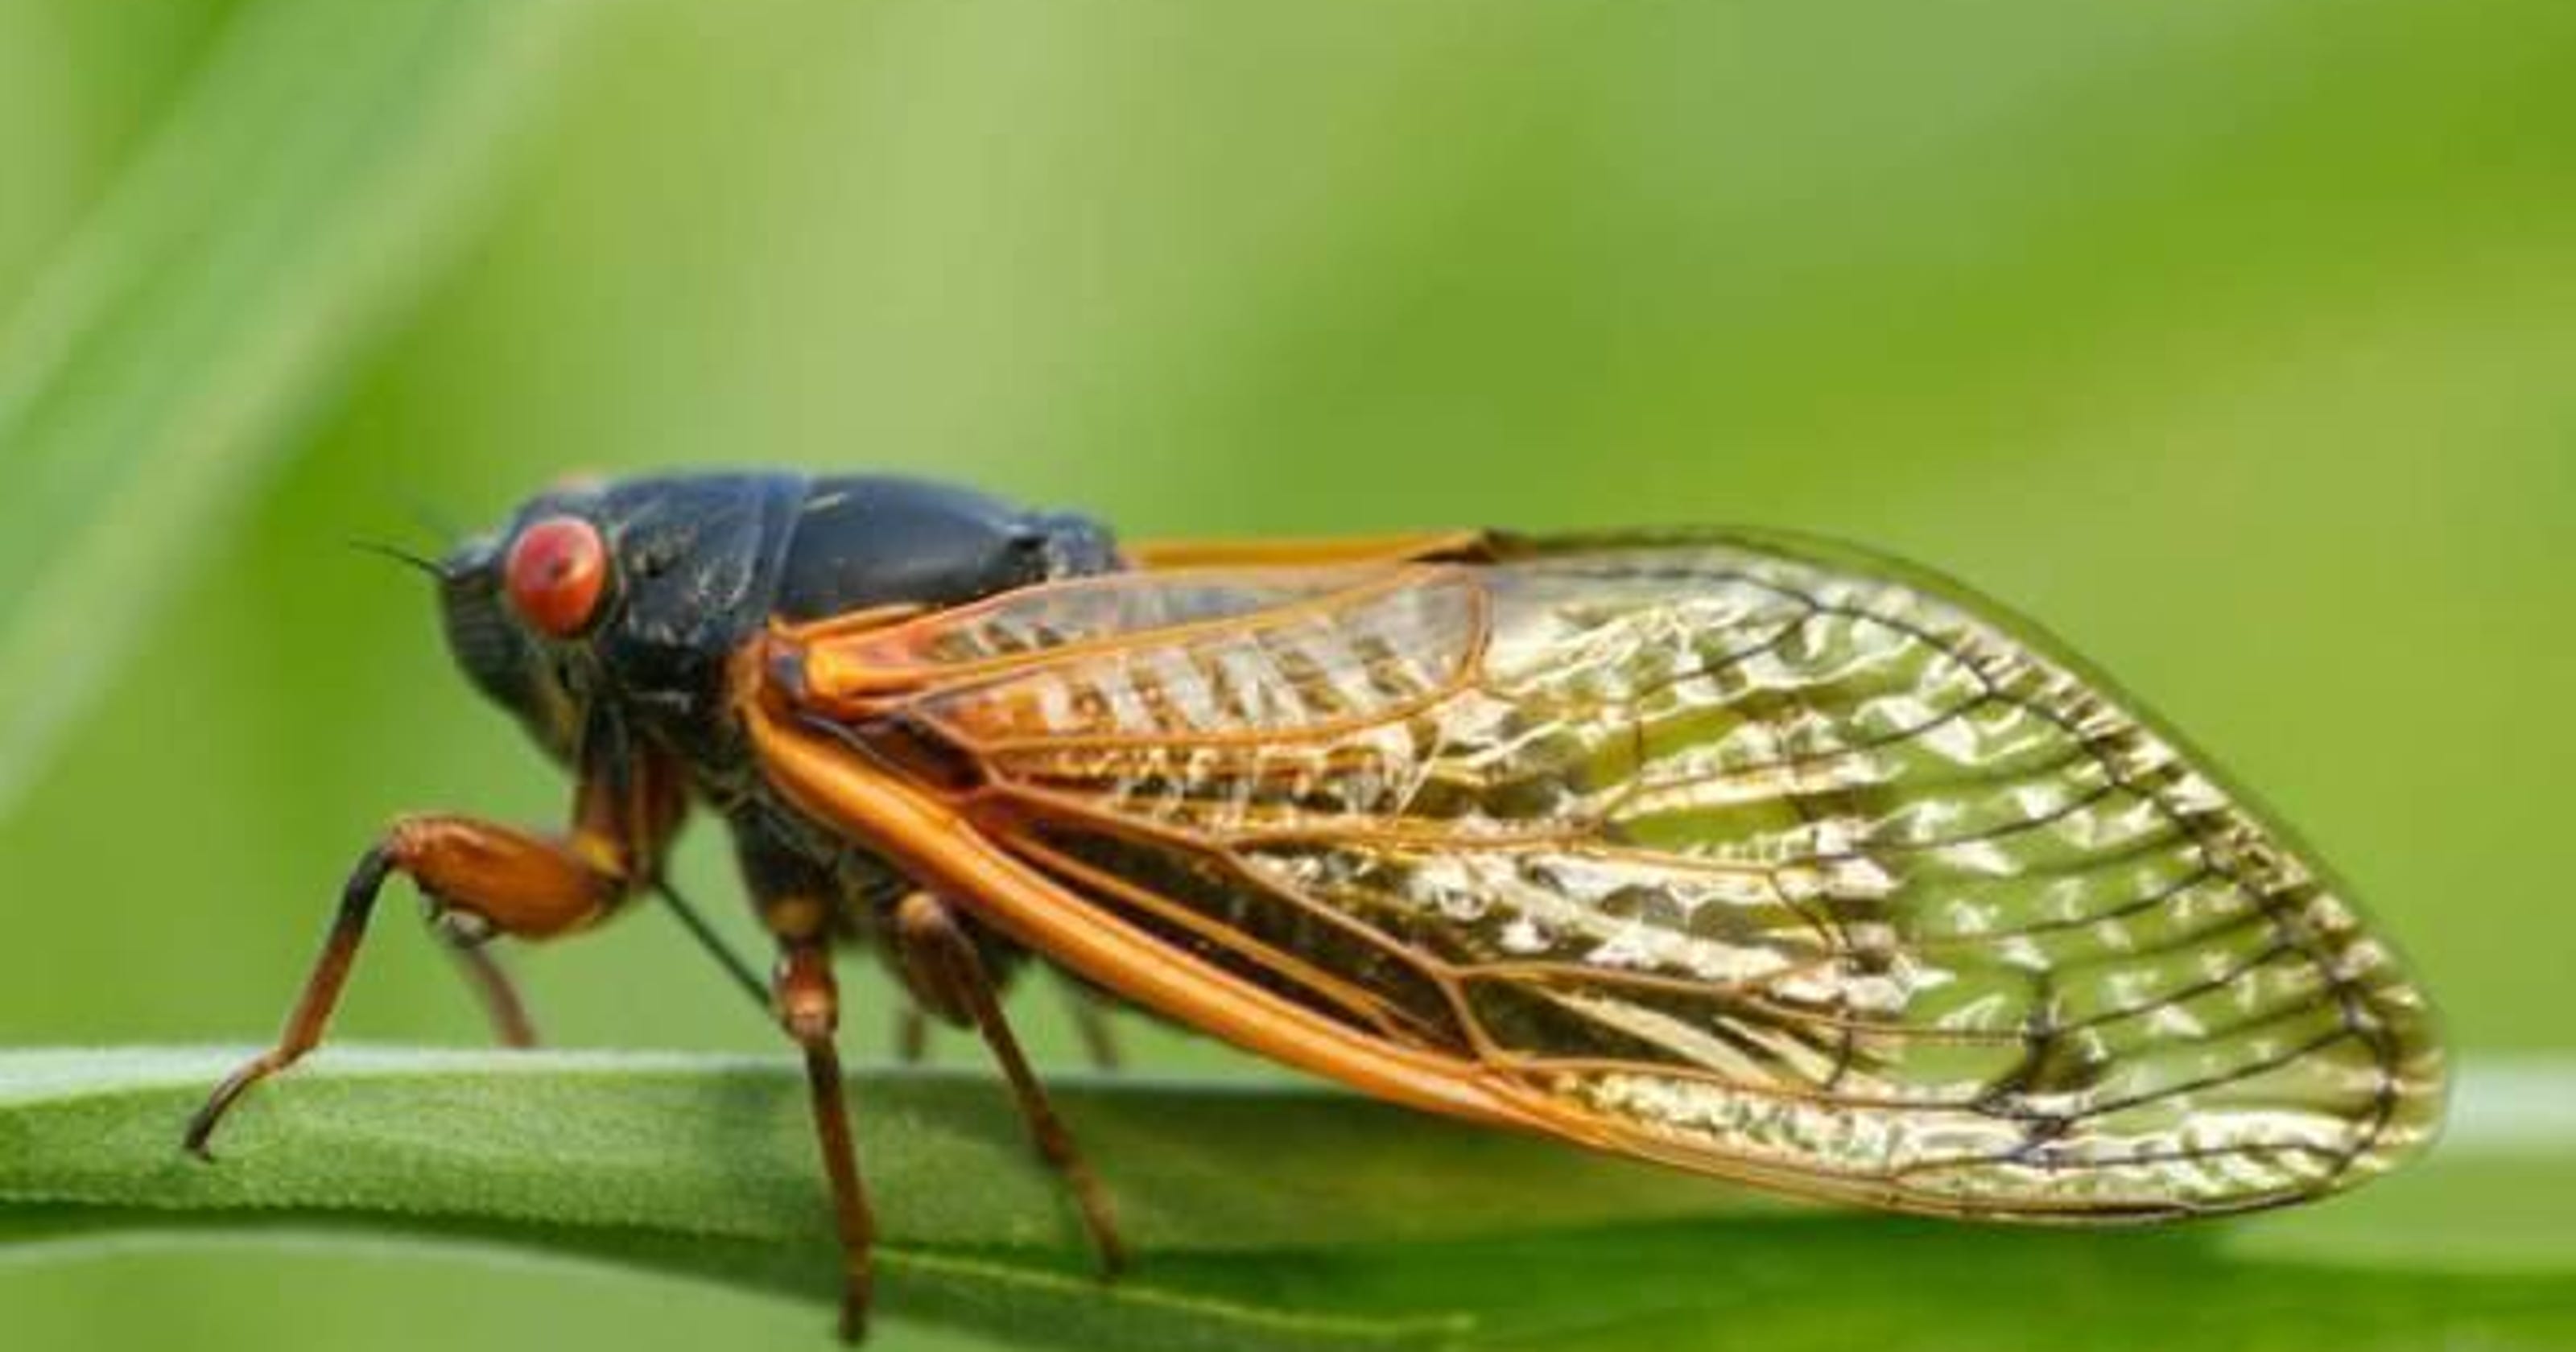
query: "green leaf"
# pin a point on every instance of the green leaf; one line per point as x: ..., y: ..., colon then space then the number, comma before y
x: 1265, y: 1217
x: 303, y: 189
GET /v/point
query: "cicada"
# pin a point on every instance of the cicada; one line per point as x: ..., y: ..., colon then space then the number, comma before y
x: 1740, y: 852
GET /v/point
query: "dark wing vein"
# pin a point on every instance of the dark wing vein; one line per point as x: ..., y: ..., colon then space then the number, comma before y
x: 1784, y: 863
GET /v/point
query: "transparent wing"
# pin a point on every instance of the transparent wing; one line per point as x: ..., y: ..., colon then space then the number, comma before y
x: 1752, y: 855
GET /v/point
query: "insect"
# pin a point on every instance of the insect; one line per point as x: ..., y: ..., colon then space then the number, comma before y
x: 1742, y: 852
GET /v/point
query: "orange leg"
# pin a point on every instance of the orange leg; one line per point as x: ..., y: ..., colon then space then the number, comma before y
x: 480, y: 877
x: 809, y: 1007
x: 940, y: 958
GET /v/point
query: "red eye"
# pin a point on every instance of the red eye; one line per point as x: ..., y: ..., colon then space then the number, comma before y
x: 557, y: 572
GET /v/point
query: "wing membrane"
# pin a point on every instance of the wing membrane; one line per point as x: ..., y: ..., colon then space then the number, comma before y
x: 1742, y: 854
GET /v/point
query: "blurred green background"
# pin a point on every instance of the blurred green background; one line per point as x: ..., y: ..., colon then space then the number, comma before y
x: 2235, y: 342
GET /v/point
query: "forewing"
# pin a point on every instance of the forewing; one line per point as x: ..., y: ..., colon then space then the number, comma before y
x: 1747, y: 854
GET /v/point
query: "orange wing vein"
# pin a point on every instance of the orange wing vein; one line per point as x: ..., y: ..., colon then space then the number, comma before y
x: 1753, y: 855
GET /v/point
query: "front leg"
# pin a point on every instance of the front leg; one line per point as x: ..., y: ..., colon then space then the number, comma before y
x: 481, y: 879
x: 484, y: 878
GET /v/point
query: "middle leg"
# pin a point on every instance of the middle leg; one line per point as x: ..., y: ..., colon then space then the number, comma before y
x: 799, y: 906
x: 809, y: 1007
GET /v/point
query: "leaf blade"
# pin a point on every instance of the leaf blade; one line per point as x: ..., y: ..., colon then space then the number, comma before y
x: 1269, y: 1217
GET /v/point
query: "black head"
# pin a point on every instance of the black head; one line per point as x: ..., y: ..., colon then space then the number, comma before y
x: 617, y: 601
